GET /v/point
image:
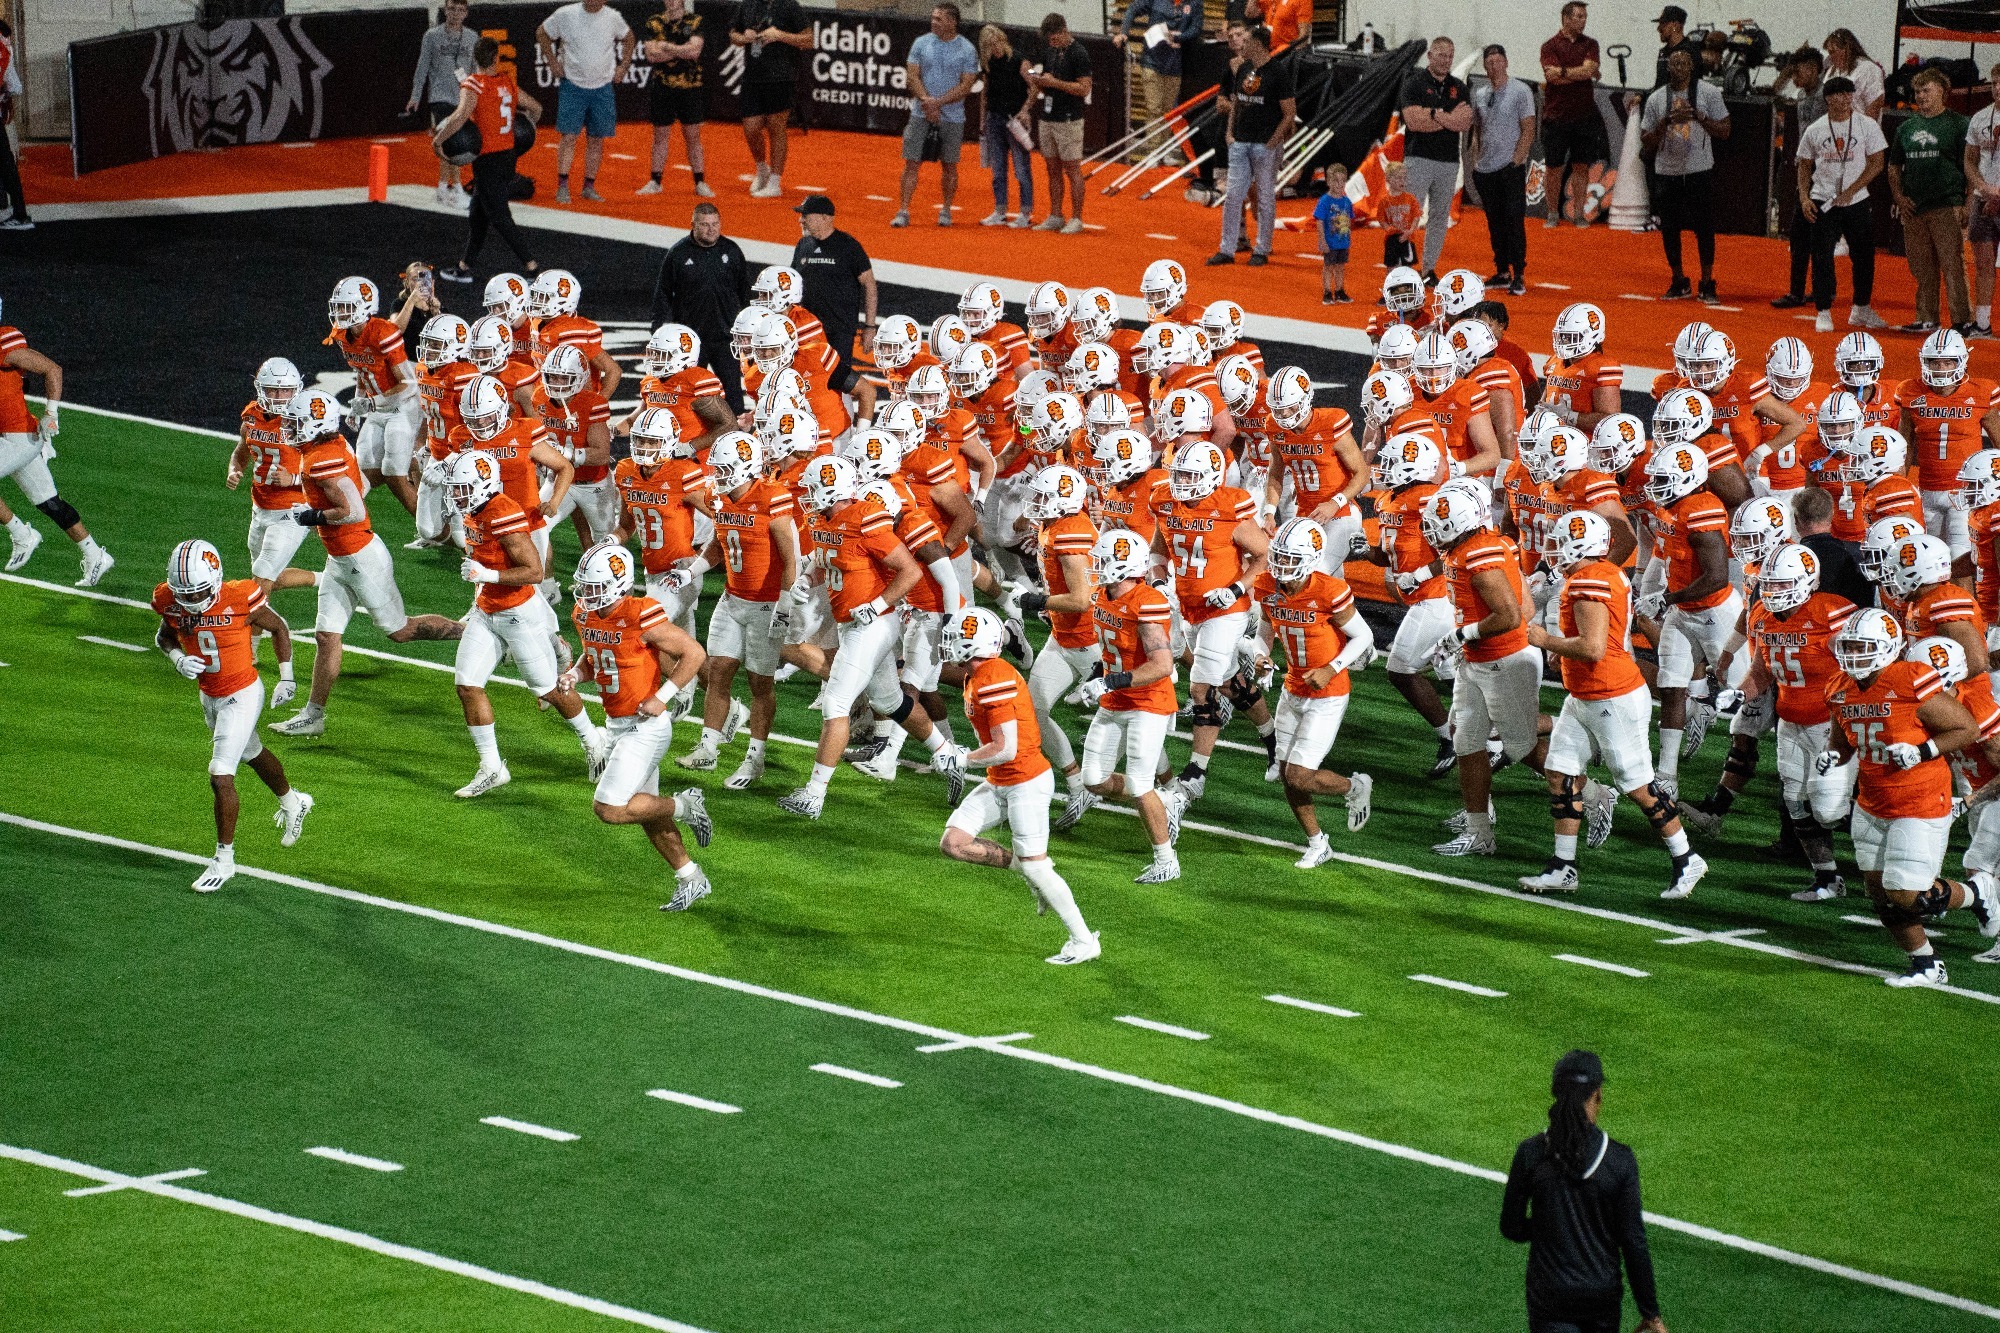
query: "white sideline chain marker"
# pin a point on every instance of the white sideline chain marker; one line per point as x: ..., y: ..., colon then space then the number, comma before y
x: 1401, y: 1152
x: 523, y: 1127
x: 358, y: 1239
x: 134, y: 1182
x: 698, y: 1103
x: 354, y: 1159
x: 113, y: 643
x: 1465, y: 986
x: 970, y: 1043
x: 856, y: 1075
x: 1600, y: 964
x: 1170, y: 1029
x: 1334, y: 1010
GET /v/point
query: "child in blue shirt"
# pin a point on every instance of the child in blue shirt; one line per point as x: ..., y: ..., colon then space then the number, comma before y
x: 1335, y: 214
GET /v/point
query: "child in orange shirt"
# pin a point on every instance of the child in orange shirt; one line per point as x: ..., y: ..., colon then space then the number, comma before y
x: 1399, y: 215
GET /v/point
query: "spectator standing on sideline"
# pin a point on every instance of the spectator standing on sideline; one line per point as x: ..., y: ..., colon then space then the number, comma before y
x: 839, y: 284
x: 587, y: 45
x: 1263, y: 108
x: 444, y: 58
x: 1982, y: 226
x: 703, y: 283
x: 1399, y: 215
x: 772, y: 33
x: 1436, y: 110
x: 1572, y: 1198
x: 1179, y: 24
x: 1335, y: 214
x: 1927, y: 181
x: 1288, y: 20
x: 1680, y: 121
x: 1007, y: 137
x: 1062, y: 81
x: 1505, y: 134
x: 673, y: 48
x: 10, y: 170
x: 1846, y: 58
x: 1573, y: 137
x: 1840, y: 154
x: 942, y: 68
x: 489, y: 99
x: 1801, y: 78
x: 1672, y: 27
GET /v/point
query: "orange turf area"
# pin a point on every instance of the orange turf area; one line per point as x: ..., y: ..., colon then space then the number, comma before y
x: 860, y: 172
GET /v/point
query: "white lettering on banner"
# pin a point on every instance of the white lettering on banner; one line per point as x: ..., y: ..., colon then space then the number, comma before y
x: 876, y: 68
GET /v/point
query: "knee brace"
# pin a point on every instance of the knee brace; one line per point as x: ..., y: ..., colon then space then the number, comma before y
x: 1664, y: 810
x: 1207, y: 713
x: 1934, y: 901
x: 1894, y: 915
x: 903, y: 709
x: 1242, y: 690
x: 1741, y: 762
x: 1565, y: 802
x: 60, y: 512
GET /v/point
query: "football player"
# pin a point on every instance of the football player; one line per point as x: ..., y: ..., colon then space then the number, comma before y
x: 207, y: 630
x: 1701, y: 607
x: 1979, y: 496
x: 1789, y: 371
x: 1163, y: 287
x: 552, y: 302
x: 443, y: 354
x: 578, y: 422
x: 1064, y: 538
x: 645, y: 668
x: 1877, y: 458
x: 1918, y: 576
x: 1740, y: 402
x: 899, y: 352
x: 1947, y: 415
x: 386, y: 407
x: 1406, y: 303
x: 507, y: 298
x: 1094, y: 317
x: 1222, y: 321
x: 1311, y: 613
x: 1018, y: 783
x: 1580, y: 383
x: 1507, y: 403
x: 676, y: 380
x: 520, y: 446
x: 273, y: 467
x: 1857, y: 362
x: 660, y: 489
x: 1406, y: 473
x: 984, y: 313
x: 27, y: 443
x: 358, y: 568
x: 1313, y: 449
x: 1460, y: 407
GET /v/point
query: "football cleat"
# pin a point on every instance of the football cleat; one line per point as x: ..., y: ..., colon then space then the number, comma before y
x: 1925, y: 971
x: 1821, y: 892
x: 1318, y: 852
x: 215, y: 874
x: 485, y: 780
x: 1685, y: 879
x: 747, y: 772
x: 95, y: 567
x: 1991, y: 955
x: 805, y: 801
x: 1600, y: 806
x: 1164, y: 870
x: 1986, y: 902
x: 701, y: 757
x: 691, y: 808
x: 293, y: 807
x: 1190, y: 785
x: 596, y: 753
x: 1701, y: 715
x: 1558, y: 877
x: 690, y: 892
x: 1705, y: 822
x: 739, y: 716
x: 305, y: 722
x: 1015, y: 644
x: 1458, y: 823
x: 881, y: 765
x: 1671, y: 787
x: 1078, y: 951
x: 785, y: 673
x: 949, y: 763
x: 23, y: 548
x: 1446, y: 760
x: 867, y: 747
x: 1468, y: 843
x: 1273, y: 771
x: 1359, y: 801
x: 1177, y: 804
x: 1079, y: 801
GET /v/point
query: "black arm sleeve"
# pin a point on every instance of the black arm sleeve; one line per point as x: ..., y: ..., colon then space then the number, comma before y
x: 1631, y: 1221
x: 1514, y: 1203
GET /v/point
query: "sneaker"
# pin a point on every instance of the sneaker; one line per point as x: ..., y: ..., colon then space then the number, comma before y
x: 455, y: 273
x: 1678, y: 290
x: 293, y: 807
x: 1918, y: 326
x: 805, y: 801
x: 1318, y: 852
x: 1445, y: 761
x: 691, y: 891
x: 1021, y: 221
x: 1496, y: 280
x: 902, y: 218
x: 1074, y: 807
x: 949, y: 764
x: 1598, y: 812
x: 1326, y: 298
x: 650, y: 187
x: 1258, y: 261
x: 739, y: 715
x: 1518, y: 287
x: 1078, y: 951
x: 691, y: 808
x: 1966, y: 329
x: 1705, y: 294
x: 1164, y: 870
x: 1705, y: 822
x: 1822, y: 892
x: 1701, y: 716
x: 881, y: 765
x: 1273, y: 771
x: 485, y: 780
x: 1787, y: 302
x: 1053, y: 222
x: 23, y: 549
x: 1685, y: 878
x: 95, y: 567
x: 1468, y: 843
x: 562, y: 194
x: 443, y: 195
x: 1342, y: 298
x: 1360, y: 799
x: 1925, y: 971
x: 1823, y: 322
x: 1986, y: 902
x: 762, y: 179
x: 944, y: 217
x: 305, y: 722
x: 1219, y: 258
x: 1864, y: 317
x: 773, y: 188
x: 1556, y: 877
x: 1981, y: 331
x: 701, y: 758
x: 215, y: 874
x: 746, y: 773
x: 1014, y: 643
x: 1177, y: 804
x: 703, y: 190
x: 994, y: 219
x: 17, y: 222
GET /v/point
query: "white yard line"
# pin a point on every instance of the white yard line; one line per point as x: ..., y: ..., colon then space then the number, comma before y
x: 360, y: 1240
x: 1172, y: 1030
x: 525, y: 1127
x: 126, y: 1184
x: 11, y: 1235
x: 354, y: 1159
x: 1601, y: 965
x: 1465, y: 986
x: 698, y: 1103
x: 1328, y: 1009
x: 113, y: 643
x: 855, y: 1075
x: 971, y: 1043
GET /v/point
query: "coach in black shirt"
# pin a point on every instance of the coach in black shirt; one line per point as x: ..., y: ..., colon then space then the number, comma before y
x: 1573, y: 1198
x: 839, y: 281
x: 703, y: 283
x: 1839, y: 569
x: 1436, y: 110
x: 1672, y: 27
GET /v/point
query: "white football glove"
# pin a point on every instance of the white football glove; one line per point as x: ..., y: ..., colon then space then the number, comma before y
x: 360, y: 407
x: 1448, y: 653
x: 1538, y: 585
x: 802, y: 587
x: 678, y: 580
x: 1093, y: 690
x: 1410, y: 580
x: 781, y: 616
x: 283, y: 693
x: 1827, y: 761
x: 1902, y: 754
x: 48, y: 426
x: 474, y: 572
x: 868, y: 612
x: 1221, y: 597
x: 568, y: 679
x: 1729, y: 701
x: 682, y: 705
x: 1651, y: 606
x: 192, y: 665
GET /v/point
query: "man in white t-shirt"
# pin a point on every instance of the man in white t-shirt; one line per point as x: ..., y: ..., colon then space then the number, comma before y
x: 1839, y: 154
x: 1982, y: 223
x: 588, y: 47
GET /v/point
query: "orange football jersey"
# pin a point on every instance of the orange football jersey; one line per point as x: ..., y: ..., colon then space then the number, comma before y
x: 373, y: 349
x: 660, y: 505
x: 1399, y: 519
x: 1454, y: 410
x: 1011, y: 342
x: 1983, y: 524
x: 1073, y: 535
x: 222, y: 635
x: 1496, y: 377
x: 615, y: 653
x: 575, y: 331
x: 1615, y: 674
x: 1945, y: 427
x: 1130, y: 382
x: 1303, y: 623
x: 270, y: 456
x: 569, y: 424
x: 1676, y: 524
x: 1533, y: 507
x: 743, y: 528
x: 323, y: 461
x: 926, y: 468
x: 1317, y: 473
x: 1798, y: 651
x: 915, y: 530
x: 854, y: 547
x: 996, y: 694
x: 497, y: 518
x: 513, y: 450
x: 1201, y: 547
x: 437, y: 392
x: 993, y: 414
x: 898, y: 378
x: 1891, y: 497
x: 1571, y: 388
x: 1878, y: 717
x: 1478, y: 553
x: 1200, y: 379
x: 1133, y: 505
x: 677, y: 393
x: 1117, y: 620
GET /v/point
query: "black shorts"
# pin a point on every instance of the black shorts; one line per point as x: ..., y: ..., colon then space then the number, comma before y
x: 440, y: 112
x: 1574, y: 143
x: 767, y: 99
x: 678, y: 106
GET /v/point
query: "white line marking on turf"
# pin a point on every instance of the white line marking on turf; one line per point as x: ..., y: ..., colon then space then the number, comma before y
x: 1170, y: 1029
x: 523, y: 1127
x: 698, y: 1103
x: 1160, y: 236
x: 970, y: 1043
x: 856, y: 1075
x: 1402, y: 1152
x: 113, y: 643
x: 1856, y: 918
x: 11, y: 1235
x: 1465, y: 986
x: 1554, y: 286
x: 1334, y: 1010
x: 354, y: 1159
x: 1714, y: 936
x: 360, y: 1240
x: 117, y: 1185
x: 1632, y: 296
x: 1600, y: 964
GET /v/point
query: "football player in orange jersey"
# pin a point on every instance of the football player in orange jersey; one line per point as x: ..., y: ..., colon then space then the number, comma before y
x: 899, y: 351
x: 520, y: 446
x: 487, y: 347
x: 1050, y: 337
x: 1893, y: 725
x: 983, y: 312
x: 1606, y: 713
x: 779, y: 288
x: 273, y: 467
x: 26, y: 445
x: 1168, y: 353
x: 1094, y: 318
x: 1311, y: 613
x: 1064, y: 539
x: 774, y: 350
x: 207, y: 630
x: 984, y: 388
x: 1222, y: 321
x: 1918, y: 575
x: 1019, y: 782
x: 443, y: 354
x: 1128, y: 486
x: 386, y: 407
x: 1976, y: 766
x: 1498, y: 680
x: 508, y: 618
x: 552, y: 302
x: 1313, y: 449
x: 1578, y: 483
x: 1947, y: 415
x: 645, y: 667
x: 1684, y: 416
x: 1877, y: 457
x: 1406, y: 303
x: 1699, y: 609
x: 1164, y: 288
x: 1209, y: 540
x: 1580, y: 383
x: 1507, y: 401
x: 940, y: 480
x: 1979, y: 496
x: 358, y: 568
x: 1405, y: 474
x: 952, y: 428
x: 757, y: 541
x: 578, y: 422
x: 675, y: 379
x: 1532, y: 506
x: 1740, y: 402
x: 1133, y: 688
x: 1246, y: 392
x: 506, y: 297
x: 1789, y: 371
x: 1460, y: 407
x: 1858, y: 363
x: 660, y: 490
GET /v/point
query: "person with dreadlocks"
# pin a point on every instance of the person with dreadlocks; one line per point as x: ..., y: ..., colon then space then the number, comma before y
x: 1573, y: 1199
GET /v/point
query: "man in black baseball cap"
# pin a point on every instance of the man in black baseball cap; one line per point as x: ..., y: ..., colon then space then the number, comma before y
x: 1573, y: 1198
x: 839, y: 287
x: 1672, y: 25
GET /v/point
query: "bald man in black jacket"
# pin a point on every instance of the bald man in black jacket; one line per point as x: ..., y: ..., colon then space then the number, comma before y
x: 704, y: 281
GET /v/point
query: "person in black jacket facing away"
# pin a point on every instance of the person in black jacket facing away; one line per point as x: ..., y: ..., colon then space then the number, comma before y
x: 703, y: 283
x: 1573, y: 1199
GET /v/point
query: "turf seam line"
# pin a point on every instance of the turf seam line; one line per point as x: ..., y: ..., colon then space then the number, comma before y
x: 1485, y: 992
x: 528, y: 1127
x: 855, y: 1075
x: 358, y: 1239
x: 1600, y: 964
x: 354, y: 1159
x: 1136, y: 1081
x: 1171, y: 1029
x: 698, y: 1103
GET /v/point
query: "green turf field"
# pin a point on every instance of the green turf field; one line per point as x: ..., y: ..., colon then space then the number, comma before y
x: 1080, y: 1181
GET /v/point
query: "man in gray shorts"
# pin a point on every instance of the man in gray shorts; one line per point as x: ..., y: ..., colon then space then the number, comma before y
x: 942, y: 68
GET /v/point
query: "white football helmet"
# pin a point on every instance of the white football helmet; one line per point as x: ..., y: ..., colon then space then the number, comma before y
x: 1030, y: 391
x: 949, y: 339
x: 1675, y: 472
x: 489, y: 343
x: 672, y: 349
x: 603, y: 576
x: 1185, y: 412
x: 484, y: 407
x: 441, y: 343
x: 1289, y: 398
x: 1576, y: 538
x: 1687, y: 345
x: 1119, y: 554
x: 1397, y: 349
x: 1435, y: 366
x: 1055, y: 421
x: 735, y: 459
x: 1943, y: 358
x: 1563, y: 450
x: 1385, y: 395
x: 1056, y: 492
x: 1788, y: 579
x: 1403, y: 290
x: 779, y: 287
x: 1579, y: 331
x: 929, y: 391
x: 974, y: 371
x: 1877, y: 452
x: 1979, y: 480
x: 831, y: 481
x: 1839, y: 420
x: 1857, y: 360
x: 354, y: 301
x: 656, y: 437
x: 882, y: 493
x: 876, y: 454
x: 1880, y: 540
x: 1094, y: 314
x: 972, y: 635
x: 787, y: 430
x: 1106, y: 412
x: 1238, y: 379
x: 1409, y: 459
x: 1758, y: 527
x: 1092, y: 366
x: 1789, y: 368
x: 1120, y: 455
x: 1151, y: 347
x: 313, y: 414
x: 1458, y: 291
x: 1713, y: 361
x: 1915, y: 563
x: 904, y: 420
x: 194, y: 576
x: 896, y: 341
x: 1164, y: 287
x: 554, y: 292
x: 740, y: 328
x: 1298, y: 549
x: 1616, y: 443
x: 472, y: 479
x: 1047, y: 310
x: 506, y: 296
x: 1869, y: 642
x: 1201, y: 351
x: 1534, y: 426
x: 773, y: 343
x: 1197, y: 471
x: 565, y: 373
x: 1222, y: 321
x: 278, y: 381
x: 1472, y: 342
x: 1682, y: 417
x: 1941, y: 655
x: 1452, y: 514
x: 980, y: 308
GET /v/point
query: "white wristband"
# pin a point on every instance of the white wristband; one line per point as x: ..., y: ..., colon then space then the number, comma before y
x: 881, y: 607
x: 667, y: 693
x: 284, y: 671
x: 176, y: 656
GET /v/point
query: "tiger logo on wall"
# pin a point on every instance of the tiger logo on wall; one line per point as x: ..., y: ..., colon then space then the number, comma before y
x: 243, y: 81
